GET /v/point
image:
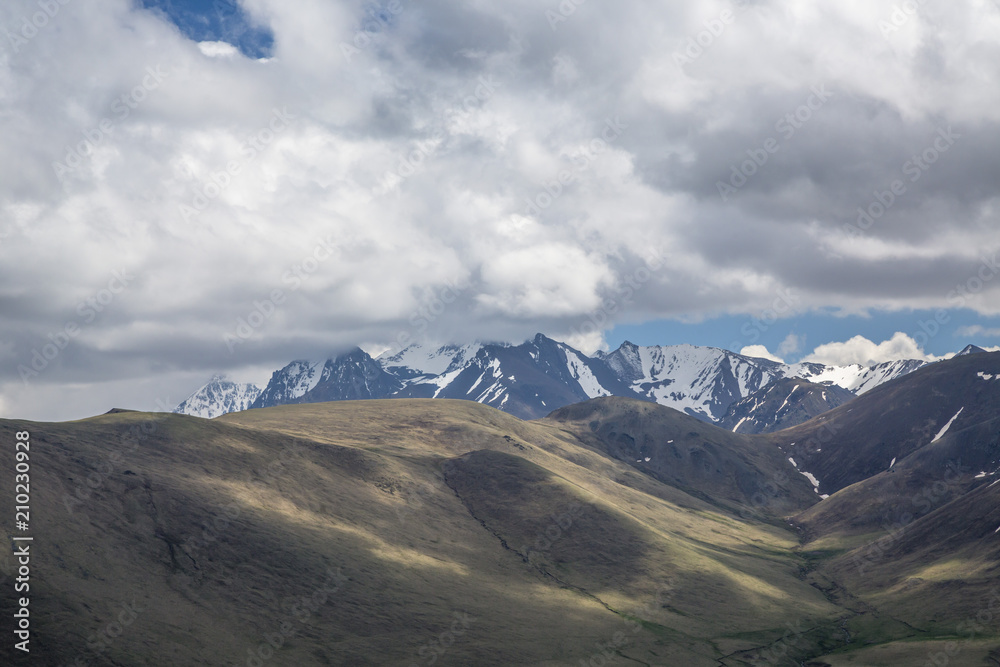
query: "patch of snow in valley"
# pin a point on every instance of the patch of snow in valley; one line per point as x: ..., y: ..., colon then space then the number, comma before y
x: 808, y: 475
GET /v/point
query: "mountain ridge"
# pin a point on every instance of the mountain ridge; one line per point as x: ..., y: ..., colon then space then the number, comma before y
x: 539, y: 375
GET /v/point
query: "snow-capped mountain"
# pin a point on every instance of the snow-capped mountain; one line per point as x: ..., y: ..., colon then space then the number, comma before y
x: 528, y: 380
x: 417, y: 362
x: 782, y: 404
x: 705, y: 381
x: 350, y: 376
x: 701, y: 381
x: 538, y: 376
x: 855, y: 378
x: 290, y: 383
x: 219, y: 397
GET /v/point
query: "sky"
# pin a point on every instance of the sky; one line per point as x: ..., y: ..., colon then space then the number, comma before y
x: 190, y: 188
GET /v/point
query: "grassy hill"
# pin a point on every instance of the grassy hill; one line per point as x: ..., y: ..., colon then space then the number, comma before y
x: 417, y: 532
x: 398, y: 522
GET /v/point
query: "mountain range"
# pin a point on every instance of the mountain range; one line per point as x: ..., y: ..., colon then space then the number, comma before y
x: 612, y: 531
x: 534, y: 378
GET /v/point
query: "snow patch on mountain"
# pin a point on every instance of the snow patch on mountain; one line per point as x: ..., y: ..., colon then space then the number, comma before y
x: 947, y: 426
x: 428, y: 362
x: 583, y: 375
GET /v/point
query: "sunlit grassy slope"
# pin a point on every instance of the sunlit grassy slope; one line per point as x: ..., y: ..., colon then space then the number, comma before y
x: 404, y: 532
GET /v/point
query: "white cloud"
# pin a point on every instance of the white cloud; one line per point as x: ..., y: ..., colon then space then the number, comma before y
x: 218, y: 49
x: 791, y: 345
x: 761, y: 352
x: 860, y: 350
x: 407, y: 103
x: 977, y: 330
x: 588, y: 342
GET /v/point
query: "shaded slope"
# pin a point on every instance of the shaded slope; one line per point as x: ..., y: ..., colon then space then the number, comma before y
x: 918, y: 484
x: 939, y: 571
x: 782, y: 404
x: 698, y: 458
x: 860, y: 439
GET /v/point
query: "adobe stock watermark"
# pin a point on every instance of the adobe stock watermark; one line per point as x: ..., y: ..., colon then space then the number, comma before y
x: 981, y: 623
x: 424, y: 490
x: 113, y: 460
x: 438, y: 646
x: 370, y: 30
x: 295, y: 277
x: 899, y: 17
x: 959, y: 297
x: 88, y: 310
x: 220, y: 179
x: 300, y: 609
x: 609, y: 651
x: 634, y: 282
x: 553, y: 190
x: 225, y: 516
x: 787, y: 126
x: 565, y: 9
x: 793, y: 638
x: 428, y: 312
x: 225, y: 8
x: 695, y: 46
x: 928, y: 498
x: 559, y: 525
x: 914, y: 168
x: 784, y: 303
x: 100, y: 641
x: 764, y: 500
x: 121, y: 108
x: 412, y: 162
x: 989, y: 268
x: 29, y: 28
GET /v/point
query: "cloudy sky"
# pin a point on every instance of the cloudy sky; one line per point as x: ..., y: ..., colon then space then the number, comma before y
x: 198, y: 187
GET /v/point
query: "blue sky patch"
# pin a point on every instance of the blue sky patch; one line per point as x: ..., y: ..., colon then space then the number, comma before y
x: 937, y: 332
x: 215, y: 21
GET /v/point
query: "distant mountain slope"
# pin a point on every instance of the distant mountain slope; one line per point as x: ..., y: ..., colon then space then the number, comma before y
x: 863, y: 438
x: 915, y: 485
x: 220, y: 396
x: 350, y: 376
x: 290, y: 383
x: 527, y: 380
x: 700, y: 381
x: 945, y: 559
x: 856, y: 378
x: 782, y: 404
x: 701, y: 459
x: 531, y: 379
